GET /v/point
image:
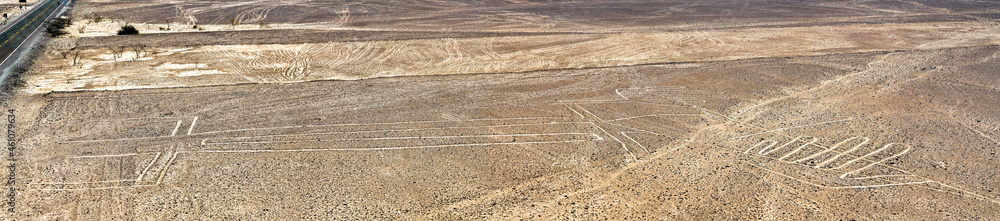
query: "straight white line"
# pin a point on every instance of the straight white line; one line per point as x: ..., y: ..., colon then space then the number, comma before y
x: 377, y: 149
x: 151, y: 163
x: 574, y: 111
x: 834, y: 149
x: 592, y: 101
x: 96, y: 188
x: 78, y: 183
x: 176, y: 128
x: 643, y: 101
x: 373, y: 124
x: 844, y: 153
x: 971, y: 194
x: 636, y: 142
x: 882, y: 185
x: 908, y: 147
x: 166, y: 168
x: 404, y: 138
x: 134, y: 118
x: 814, y: 139
x: 842, y: 187
x: 406, y: 130
x: 106, y: 140
x: 651, y: 115
x: 881, y: 176
x: 616, y: 140
x: 101, y: 156
x: 588, y: 112
x: 827, y: 169
x: 849, y: 162
x: 796, y: 150
x: 347, y: 132
x: 761, y: 144
x: 192, y: 125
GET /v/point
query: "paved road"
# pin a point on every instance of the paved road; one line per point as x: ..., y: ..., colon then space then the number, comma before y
x: 13, y: 36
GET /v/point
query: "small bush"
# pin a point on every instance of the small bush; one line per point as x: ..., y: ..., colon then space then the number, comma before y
x: 128, y: 30
x: 57, y: 25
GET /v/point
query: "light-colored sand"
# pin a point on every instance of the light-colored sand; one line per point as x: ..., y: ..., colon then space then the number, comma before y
x: 368, y: 59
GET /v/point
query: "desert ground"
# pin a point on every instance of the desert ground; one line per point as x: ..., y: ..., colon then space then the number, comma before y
x: 513, y: 110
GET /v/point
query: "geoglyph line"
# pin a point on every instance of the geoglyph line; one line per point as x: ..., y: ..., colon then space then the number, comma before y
x: 636, y: 142
x: 765, y: 151
x: 176, y: 128
x: 834, y: 148
x: 761, y: 143
x: 205, y: 142
x: 908, y: 148
x: 329, y: 125
x: 151, y: 163
x: 796, y: 150
x: 588, y: 112
x: 136, y: 118
x: 842, y: 187
x: 373, y: 124
x: 616, y: 140
x: 840, y: 154
x: 103, y: 156
x: 194, y: 121
x: 574, y: 111
x: 843, y: 175
x: 651, y: 115
x: 382, y: 148
x: 166, y: 167
x: 177, y: 150
x: 403, y: 130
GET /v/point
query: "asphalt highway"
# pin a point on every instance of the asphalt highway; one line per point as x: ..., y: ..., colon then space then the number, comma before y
x: 13, y: 37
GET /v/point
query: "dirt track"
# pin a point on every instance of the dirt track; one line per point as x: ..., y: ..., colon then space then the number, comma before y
x: 841, y: 121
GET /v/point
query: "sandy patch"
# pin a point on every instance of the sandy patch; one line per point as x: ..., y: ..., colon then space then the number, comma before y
x: 368, y: 59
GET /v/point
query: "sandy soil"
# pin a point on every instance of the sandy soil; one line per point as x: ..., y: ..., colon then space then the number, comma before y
x: 524, y: 110
x: 222, y: 64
